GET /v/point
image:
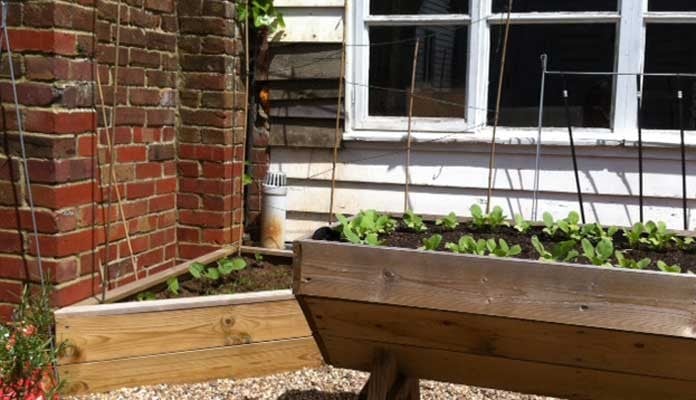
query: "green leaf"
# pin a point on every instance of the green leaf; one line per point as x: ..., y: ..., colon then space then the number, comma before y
x: 538, y: 246
x: 515, y: 250
x: 212, y: 273
x: 247, y: 180
x: 605, y: 248
x: 372, y: 239
x: 588, y: 248
x: 173, y: 286
x: 196, y: 270
x: 476, y: 211
x: 573, y: 218
x: 663, y: 266
x: 548, y: 219
x: 432, y: 243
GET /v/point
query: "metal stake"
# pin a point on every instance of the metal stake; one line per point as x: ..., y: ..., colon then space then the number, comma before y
x: 640, y: 146
x: 680, y: 100
x: 537, y: 167
x: 572, y: 150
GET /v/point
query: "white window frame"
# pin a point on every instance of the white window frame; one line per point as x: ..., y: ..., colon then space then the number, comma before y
x: 631, y: 20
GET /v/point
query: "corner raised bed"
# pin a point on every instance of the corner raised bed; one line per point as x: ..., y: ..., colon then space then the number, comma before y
x: 182, y: 340
x: 551, y: 328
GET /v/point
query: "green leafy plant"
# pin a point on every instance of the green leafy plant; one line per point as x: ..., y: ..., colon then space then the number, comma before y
x: 145, y: 296
x: 226, y: 266
x: 414, y: 222
x: 570, y: 226
x: 197, y: 270
x: 366, y: 227
x: 258, y: 257
x: 634, y: 234
x: 664, y: 267
x: 263, y: 14
x: 432, y: 243
x: 27, y: 353
x: 599, y: 254
x: 550, y: 226
x: 449, y: 222
x: 173, y: 286
x: 685, y: 244
x: 522, y: 225
x: 596, y: 232
x: 625, y: 262
x: 502, y: 249
x: 658, y: 237
x: 468, y: 245
x: 480, y: 220
x: 563, y: 251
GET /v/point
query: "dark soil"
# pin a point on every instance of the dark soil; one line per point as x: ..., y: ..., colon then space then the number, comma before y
x: 405, y: 238
x: 272, y: 273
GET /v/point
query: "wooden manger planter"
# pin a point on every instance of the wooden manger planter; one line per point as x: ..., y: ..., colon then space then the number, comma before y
x: 182, y: 340
x: 571, y: 331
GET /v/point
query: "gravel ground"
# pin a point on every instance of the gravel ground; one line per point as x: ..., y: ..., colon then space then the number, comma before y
x: 325, y: 383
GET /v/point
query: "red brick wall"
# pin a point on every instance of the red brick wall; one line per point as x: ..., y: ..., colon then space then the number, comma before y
x: 177, y: 145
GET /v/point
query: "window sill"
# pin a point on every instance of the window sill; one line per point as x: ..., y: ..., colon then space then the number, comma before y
x: 528, y: 137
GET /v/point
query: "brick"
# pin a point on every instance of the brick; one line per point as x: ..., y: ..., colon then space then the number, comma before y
x: 46, y: 221
x: 166, y: 6
x: 11, y: 241
x: 161, y: 79
x: 76, y: 291
x: 86, y: 145
x: 164, y: 202
x: 161, y: 152
x: 167, y: 185
x: 60, y: 171
x: 161, y: 41
x: 146, y: 135
x: 187, y: 234
x: 59, y: 122
x: 188, y: 251
x: 10, y: 291
x: 148, y: 170
x: 143, y: 58
x: 51, y: 42
x: 151, y: 258
x: 131, y: 154
x: 30, y: 94
x: 139, y: 190
x: 144, y: 97
x: 65, y: 196
x: 188, y: 201
x: 65, y: 244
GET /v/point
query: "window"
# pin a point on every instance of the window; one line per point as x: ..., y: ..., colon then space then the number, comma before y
x: 458, y: 63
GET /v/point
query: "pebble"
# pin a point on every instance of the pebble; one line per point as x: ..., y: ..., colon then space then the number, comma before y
x: 326, y: 383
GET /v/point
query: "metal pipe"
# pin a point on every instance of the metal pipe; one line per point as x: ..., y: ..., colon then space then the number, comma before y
x: 537, y: 167
x: 572, y: 151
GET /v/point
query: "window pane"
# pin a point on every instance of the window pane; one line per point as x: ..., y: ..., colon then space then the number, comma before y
x: 672, y: 5
x: 664, y: 53
x: 378, y: 7
x: 440, y: 74
x: 582, y: 47
x: 555, y: 5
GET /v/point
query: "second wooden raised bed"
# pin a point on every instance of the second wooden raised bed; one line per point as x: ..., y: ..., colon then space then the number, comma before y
x: 571, y: 331
x: 182, y: 340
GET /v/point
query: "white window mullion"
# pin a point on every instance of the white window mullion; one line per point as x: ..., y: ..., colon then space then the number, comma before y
x: 478, y: 63
x: 630, y: 58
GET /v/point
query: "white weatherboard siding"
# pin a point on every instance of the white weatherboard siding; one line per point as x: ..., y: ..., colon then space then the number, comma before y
x: 452, y: 177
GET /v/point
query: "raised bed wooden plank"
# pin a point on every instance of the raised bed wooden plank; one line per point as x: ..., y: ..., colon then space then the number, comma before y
x: 635, y: 301
x: 565, y: 345
x: 108, y: 337
x: 522, y: 376
x: 250, y: 360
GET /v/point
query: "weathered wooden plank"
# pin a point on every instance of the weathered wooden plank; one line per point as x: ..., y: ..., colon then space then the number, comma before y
x: 324, y: 108
x: 303, y: 89
x: 135, y: 287
x: 108, y: 337
x: 636, y: 301
x: 303, y: 132
x: 250, y: 360
x: 500, y: 373
x: 515, y: 339
x: 312, y: 24
x: 303, y: 61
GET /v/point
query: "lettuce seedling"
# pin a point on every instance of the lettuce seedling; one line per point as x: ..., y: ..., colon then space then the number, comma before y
x: 634, y: 235
x: 414, y: 222
x: 450, y: 222
x: 227, y: 266
x: 493, y: 220
x: 570, y: 226
x: 468, y: 245
x: 564, y: 251
x: 522, y: 225
x: 599, y: 254
x: 197, y: 270
x: 502, y: 249
x: 550, y: 226
x: 659, y: 238
x: 685, y: 244
x: 173, y: 286
x: 366, y: 227
x: 664, y: 267
x: 596, y: 232
x: 625, y: 262
x: 432, y: 243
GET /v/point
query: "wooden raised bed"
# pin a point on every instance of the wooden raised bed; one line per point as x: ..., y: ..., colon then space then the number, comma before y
x: 183, y: 340
x: 571, y: 331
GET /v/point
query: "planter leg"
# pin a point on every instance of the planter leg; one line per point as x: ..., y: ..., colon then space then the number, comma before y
x: 386, y: 383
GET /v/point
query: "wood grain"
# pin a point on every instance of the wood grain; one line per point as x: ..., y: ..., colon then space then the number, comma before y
x: 108, y: 337
x: 635, y: 301
x: 302, y: 132
x: 508, y: 338
x: 499, y: 373
x: 304, y: 61
x: 250, y: 360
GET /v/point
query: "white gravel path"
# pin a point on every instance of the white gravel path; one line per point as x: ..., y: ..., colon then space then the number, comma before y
x: 324, y: 383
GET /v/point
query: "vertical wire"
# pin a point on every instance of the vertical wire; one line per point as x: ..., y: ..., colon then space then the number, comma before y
x: 680, y: 99
x: 572, y: 149
x: 640, y: 146
x: 537, y: 166
x: 337, y: 133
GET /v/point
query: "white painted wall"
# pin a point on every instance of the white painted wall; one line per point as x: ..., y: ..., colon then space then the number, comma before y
x: 452, y: 177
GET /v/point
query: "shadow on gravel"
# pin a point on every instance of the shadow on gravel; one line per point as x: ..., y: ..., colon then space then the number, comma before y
x: 316, y: 395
